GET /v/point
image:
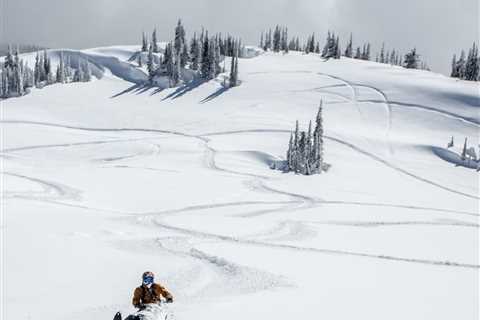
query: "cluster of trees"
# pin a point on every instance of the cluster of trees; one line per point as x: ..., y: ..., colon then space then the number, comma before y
x: 305, y: 149
x: 16, y: 77
x: 467, y: 68
x: 277, y: 40
x: 202, y: 54
x: 393, y: 57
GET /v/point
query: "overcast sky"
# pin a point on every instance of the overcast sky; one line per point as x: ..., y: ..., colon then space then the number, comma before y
x: 438, y: 28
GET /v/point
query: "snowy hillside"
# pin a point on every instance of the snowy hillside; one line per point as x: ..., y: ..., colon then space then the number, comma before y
x: 105, y: 179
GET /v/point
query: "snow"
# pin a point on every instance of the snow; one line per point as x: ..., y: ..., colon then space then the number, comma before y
x: 104, y: 180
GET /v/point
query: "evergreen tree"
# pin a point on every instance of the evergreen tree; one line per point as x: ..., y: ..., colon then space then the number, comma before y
x: 175, y: 78
x: 195, y: 53
x: 358, y: 54
x: 144, y: 42
x: 205, y: 68
x: 276, y: 39
x: 454, y: 72
x: 318, y: 141
x: 179, y: 36
x: 349, y: 49
x: 382, y: 54
x: 464, y: 150
x: 472, y: 64
x: 184, y: 56
x: 150, y: 64
x: 411, y: 59
x: 87, y: 72
x: 61, y: 70
x: 154, y: 41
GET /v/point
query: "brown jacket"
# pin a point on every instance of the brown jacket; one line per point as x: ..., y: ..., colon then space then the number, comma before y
x: 143, y: 294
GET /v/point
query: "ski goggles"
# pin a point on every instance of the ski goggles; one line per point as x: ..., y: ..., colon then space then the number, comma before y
x: 148, y: 280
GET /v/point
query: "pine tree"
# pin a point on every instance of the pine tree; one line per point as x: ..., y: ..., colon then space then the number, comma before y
x: 338, y: 50
x: 276, y: 39
x: 144, y: 42
x: 472, y: 64
x: 382, y: 54
x: 358, y: 54
x: 349, y: 49
x: 411, y: 59
x: 184, y: 56
x: 464, y: 150
x: 179, y: 36
x: 318, y: 140
x: 61, y: 70
x: 195, y: 53
x: 392, y: 57
x: 150, y: 65
x: 454, y: 72
x: 212, y: 69
x: 87, y: 72
x: 205, y: 68
x: 154, y: 41
x: 175, y: 78
x: 290, y: 153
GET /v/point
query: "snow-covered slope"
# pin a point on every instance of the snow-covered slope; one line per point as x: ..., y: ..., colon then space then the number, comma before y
x: 107, y: 179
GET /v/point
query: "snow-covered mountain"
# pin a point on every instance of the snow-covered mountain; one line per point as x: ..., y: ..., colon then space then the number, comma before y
x: 106, y: 179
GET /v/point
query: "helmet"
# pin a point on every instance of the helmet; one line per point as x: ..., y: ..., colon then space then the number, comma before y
x: 147, y: 278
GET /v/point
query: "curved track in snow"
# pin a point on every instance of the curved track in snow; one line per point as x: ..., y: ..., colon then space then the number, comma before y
x: 357, y: 149
x: 200, y: 234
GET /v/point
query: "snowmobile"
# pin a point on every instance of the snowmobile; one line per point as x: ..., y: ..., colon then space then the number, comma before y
x: 153, y: 311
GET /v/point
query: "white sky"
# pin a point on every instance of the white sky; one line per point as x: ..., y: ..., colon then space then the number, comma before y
x: 438, y: 28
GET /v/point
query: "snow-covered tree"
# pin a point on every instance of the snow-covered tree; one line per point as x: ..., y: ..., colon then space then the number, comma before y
x: 411, y: 59
x: 179, y: 36
x: 144, y: 42
x: 154, y: 43
x: 205, y: 67
x: 349, y: 48
x: 195, y: 53
x: 305, y: 149
x: 150, y: 64
x: 472, y: 64
x: 60, y: 77
x: 234, y: 70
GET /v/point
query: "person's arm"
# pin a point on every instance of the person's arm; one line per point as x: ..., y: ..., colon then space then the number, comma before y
x: 162, y: 291
x: 137, y: 298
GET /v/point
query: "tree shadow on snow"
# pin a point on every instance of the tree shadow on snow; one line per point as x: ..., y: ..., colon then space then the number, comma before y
x: 136, y: 88
x: 216, y: 94
x: 184, y: 89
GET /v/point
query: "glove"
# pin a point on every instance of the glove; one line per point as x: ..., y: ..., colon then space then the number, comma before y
x: 169, y: 300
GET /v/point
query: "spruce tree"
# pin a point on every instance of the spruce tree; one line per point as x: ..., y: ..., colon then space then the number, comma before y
x: 195, y: 53
x: 179, y: 36
x: 382, y: 54
x: 411, y: 59
x: 349, y: 49
x: 144, y: 42
x: 150, y: 65
x: 318, y: 140
x: 154, y: 41
x: 205, y: 68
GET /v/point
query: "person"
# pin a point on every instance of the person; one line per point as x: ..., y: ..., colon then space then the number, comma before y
x: 150, y: 292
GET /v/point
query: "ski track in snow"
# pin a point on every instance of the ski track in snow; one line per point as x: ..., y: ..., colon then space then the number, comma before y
x: 210, y: 153
x: 200, y: 234
x: 50, y: 188
x: 355, y: 148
